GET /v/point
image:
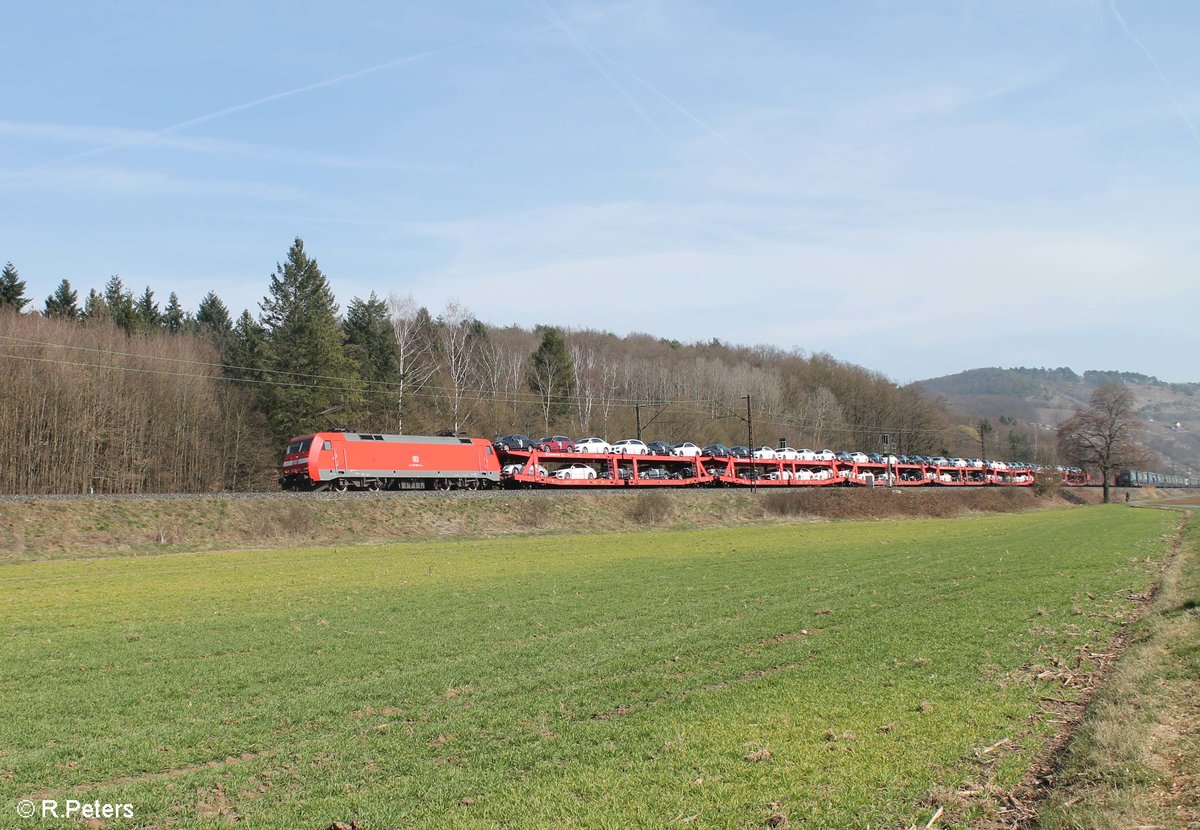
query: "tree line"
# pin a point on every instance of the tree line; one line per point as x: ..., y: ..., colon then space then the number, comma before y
x: 160, y: 389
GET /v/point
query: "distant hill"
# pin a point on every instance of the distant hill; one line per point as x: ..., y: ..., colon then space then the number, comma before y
x: 1033, y: 401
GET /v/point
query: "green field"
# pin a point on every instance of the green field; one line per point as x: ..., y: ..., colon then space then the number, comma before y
x: 837, y: 674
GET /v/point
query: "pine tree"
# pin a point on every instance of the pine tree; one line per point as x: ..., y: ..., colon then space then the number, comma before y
x: 371, y: 343
x: 212, y: 319
x: 95, y: 308
x: 63, y: 303
x: 173, y: 318
x: 370, y: 340
x: 12, y: 288
x: 551, y: 374
x: 247, y: 349
x: 305, y: 358
x: 146, y: 315
x: 119, y: 303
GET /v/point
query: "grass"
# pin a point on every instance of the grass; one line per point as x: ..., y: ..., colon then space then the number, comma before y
x: 36, y: 529
x: 837, y: 675
x: 1136, y: 759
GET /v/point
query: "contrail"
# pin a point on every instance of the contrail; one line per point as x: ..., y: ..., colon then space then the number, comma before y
x: 558, y: 21
x: 144, y: 137
x: 677, y: 106
x: 1112, y: 4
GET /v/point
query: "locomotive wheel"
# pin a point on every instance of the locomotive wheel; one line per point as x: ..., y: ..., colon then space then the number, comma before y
x: 472, y: 484
x: 442, y: 484
x: 339, y: 485
x: 373, y: 485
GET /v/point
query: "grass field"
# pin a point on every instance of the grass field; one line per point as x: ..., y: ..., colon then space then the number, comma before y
x: 836, y: 674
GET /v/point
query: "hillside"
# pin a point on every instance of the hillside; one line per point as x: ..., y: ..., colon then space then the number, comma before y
x: 1031, y: 402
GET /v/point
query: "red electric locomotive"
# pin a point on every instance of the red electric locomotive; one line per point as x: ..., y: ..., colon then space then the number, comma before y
x: 370, y: 461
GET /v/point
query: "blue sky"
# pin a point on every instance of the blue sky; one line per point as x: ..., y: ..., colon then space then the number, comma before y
x: 920, y: 187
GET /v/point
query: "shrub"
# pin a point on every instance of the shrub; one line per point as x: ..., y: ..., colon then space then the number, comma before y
x: 650, y: 508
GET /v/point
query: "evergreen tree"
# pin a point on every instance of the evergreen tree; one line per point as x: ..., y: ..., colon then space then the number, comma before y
x: 146, y: 315
x: 119, y: 303
x: 305, y: 358
x: 551, y: 374
x: 12, y: 288
x: 212, y: 318
x: 247, y: 349
x: 370, y: 340
x: 173, y: 318
x: 94, y: 307
x: 63, y: 303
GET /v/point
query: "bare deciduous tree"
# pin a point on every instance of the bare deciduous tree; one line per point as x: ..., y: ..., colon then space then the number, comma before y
x: 413, y: 349
x: 1104, y: 436
x: 458, y: 345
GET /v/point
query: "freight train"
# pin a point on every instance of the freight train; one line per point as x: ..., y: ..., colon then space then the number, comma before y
x: 1142, y: 478
x: 342, y: 461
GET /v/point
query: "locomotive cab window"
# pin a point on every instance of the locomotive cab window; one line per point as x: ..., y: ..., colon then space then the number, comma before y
x: 328, y: 445
x: 299, y: 446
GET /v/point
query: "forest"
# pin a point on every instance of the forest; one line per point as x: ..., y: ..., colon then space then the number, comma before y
x: 118, y: 394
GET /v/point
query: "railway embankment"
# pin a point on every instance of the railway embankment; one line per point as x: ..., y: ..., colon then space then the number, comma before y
x: 71, y: 528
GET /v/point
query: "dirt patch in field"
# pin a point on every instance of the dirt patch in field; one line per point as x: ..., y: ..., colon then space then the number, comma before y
x: 32, y: 529
x: 175, y: 772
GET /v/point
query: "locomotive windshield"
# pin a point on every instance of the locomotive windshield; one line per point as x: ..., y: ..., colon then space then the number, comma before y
x: 299, y: 446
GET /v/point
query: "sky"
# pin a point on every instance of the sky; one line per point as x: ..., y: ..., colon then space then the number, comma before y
x: 918, y: 187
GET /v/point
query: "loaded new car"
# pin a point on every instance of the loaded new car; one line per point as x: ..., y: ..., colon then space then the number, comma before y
x: 593, y: 445
x: 516, y: 441
x: 630, y: 446
x: 686, y: 449
x: 555, y: 443
x: 513, y: 469
x: 575, y: 472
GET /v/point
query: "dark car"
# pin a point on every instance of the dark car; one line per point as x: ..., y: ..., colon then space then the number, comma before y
x: 659, y: 447
x: 751, y: 474
x: 739, y: 451
x: 655, y: 473
x: 623, y: 473
x: 716, y: 451
x: 513, y: 442
x: 875, y: 458
x: 555, y: 443
x: 844, y: 457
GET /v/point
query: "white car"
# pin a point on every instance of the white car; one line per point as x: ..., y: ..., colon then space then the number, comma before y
x: 631, y: 446
x: 826, y: 455
x: 780, y: 475
x: 787, y: 454
x: 809, y: 455
x: 575, y: 472
x: 513, y: 469
x: 763, y: 453
x: 859, y: 457
x: 593, y: 445
x: 686, y: 449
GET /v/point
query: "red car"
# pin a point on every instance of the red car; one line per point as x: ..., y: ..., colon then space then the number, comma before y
x: 555, y: 443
